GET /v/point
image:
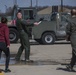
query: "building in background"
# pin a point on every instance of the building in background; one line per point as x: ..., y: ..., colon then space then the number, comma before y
x: 50, y: 9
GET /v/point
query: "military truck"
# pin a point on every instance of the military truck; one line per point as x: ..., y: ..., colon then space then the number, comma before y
x: 51, y: 26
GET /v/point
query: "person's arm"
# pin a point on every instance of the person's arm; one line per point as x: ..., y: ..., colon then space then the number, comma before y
x: 29, y: 23
x: 7, y: 36
x: 68, y: 31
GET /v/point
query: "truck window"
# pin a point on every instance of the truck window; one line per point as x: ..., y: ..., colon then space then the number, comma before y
x: 53, y: 17
x: 64, y: 17
x: 28, y: 14
x: 31, y: 14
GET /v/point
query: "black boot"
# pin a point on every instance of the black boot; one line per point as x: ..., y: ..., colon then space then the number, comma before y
x: 7, y: 70
x: 69, y: 68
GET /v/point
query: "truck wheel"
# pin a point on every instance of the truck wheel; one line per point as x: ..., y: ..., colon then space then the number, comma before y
x: 14, y: 36
x: 48, y: 38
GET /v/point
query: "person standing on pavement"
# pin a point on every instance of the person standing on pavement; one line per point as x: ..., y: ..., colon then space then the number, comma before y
x: 4, y: 42
x: 24, y: 39
x: 71, y: 34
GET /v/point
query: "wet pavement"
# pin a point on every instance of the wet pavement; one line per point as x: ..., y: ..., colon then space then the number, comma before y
x: 47, y: 60
x: 38, y: 62
x: 33, y: 62
x: 2, y: 60
x: 52, y: 56
x: 22, y: 62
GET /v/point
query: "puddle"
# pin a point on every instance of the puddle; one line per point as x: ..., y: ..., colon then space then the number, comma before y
x: 44, y: 62
x: 2, y: 60
x: 22, y: 62
x: 38, y: 62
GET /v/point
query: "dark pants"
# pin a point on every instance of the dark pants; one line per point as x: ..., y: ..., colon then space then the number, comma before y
x: 6, y: 50
x: 73, y: 60
x: 25, y: 45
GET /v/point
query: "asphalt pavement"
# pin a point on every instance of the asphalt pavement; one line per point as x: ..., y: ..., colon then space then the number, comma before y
x: 47, y: 60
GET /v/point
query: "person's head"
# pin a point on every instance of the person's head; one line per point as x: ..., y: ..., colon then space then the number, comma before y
x: 19, y: 15
x: 4, y: 20
x: 73, y: 12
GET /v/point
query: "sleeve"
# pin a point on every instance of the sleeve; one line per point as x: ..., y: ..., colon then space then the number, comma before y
x: 7, y: 36
x: 68, y: 29
x: 27, y: 23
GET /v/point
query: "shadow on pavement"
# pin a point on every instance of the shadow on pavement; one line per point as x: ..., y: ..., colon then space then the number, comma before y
x: 65, y: 69
x: 1, y: 70
x: 56, y: 43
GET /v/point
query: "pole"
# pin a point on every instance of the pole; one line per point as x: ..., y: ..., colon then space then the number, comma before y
x: 5, y: 8
x: 31, y: 3
x: 62, y: 5
x: 36, y: 4
x: 15, y: 2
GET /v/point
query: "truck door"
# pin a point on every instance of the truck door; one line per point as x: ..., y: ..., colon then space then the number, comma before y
x: 61, y: 25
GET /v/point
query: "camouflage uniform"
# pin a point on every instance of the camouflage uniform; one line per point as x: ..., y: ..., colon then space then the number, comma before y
x: 24, y: 39
x: 71, y: 30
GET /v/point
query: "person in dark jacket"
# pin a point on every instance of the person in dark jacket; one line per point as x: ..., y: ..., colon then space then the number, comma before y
x: 71, y: 34
x: 4, y: 42
x: 24, y: 39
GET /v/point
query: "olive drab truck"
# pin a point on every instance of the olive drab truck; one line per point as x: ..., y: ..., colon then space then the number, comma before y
x: 50, y: 29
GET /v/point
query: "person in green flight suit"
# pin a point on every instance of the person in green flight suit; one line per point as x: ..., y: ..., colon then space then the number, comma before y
x: 24, y: 39
x: 71, y: 34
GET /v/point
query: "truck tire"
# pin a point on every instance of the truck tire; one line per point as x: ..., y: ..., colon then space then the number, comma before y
x: 13, y: 35
x: 48, y: 38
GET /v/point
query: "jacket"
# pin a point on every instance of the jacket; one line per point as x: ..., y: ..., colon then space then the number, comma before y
x: 4, y: 34
x: 23, y: 25
x: 71, y: 30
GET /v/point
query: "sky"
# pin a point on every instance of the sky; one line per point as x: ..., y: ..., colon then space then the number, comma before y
x: 26, y: 3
